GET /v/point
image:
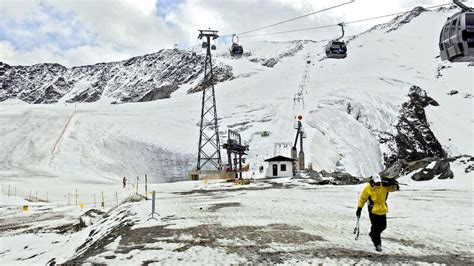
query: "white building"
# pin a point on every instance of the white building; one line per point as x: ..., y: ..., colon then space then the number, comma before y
x: 280, y: 166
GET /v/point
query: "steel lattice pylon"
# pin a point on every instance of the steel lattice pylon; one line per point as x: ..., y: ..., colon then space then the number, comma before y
x: 209, y: 145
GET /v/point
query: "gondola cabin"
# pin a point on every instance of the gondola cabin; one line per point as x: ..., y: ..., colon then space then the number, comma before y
x: 336, y: 49
x: 456, y: 40
x: 236, y: 49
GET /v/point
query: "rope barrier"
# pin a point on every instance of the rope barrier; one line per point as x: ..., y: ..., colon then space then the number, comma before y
x: 37, y: 199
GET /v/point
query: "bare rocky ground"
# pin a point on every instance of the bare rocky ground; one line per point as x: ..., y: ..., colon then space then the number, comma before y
x: 258, y: 239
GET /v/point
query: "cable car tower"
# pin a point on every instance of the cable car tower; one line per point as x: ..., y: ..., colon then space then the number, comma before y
x: 209, y: 145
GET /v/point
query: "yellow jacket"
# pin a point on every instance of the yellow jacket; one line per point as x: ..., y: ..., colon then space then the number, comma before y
x: 377, y: 197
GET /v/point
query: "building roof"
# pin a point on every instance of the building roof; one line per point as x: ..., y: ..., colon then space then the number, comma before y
x: 280, y: 158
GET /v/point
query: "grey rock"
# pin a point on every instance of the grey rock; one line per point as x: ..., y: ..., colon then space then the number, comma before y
x: 91, y: 217
x: 221, y: 73
x: 397, y: 22
x: 432, y: 167
x: 295, y: 47
x: 395, y: 170
x: 414, y: 139
x: 142, y: 78
x: 334, y: 178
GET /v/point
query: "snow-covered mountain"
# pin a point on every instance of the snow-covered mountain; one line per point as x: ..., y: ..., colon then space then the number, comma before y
x: 143, y: 78
x: 358, y: 112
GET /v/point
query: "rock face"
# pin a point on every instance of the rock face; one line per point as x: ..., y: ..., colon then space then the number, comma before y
x: 143, y: 78
x: 401, y: 20
x: 414, y: 140
x: 414, y: 149
x: 221, y: 73
x: 421, y: 170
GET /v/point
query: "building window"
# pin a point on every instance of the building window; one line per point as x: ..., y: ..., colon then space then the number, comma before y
x: 282, y: 167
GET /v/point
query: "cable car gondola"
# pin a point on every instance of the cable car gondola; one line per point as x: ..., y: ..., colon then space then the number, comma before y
x: 456, y: 40
x: 336, y: 48
x: 236, y: 50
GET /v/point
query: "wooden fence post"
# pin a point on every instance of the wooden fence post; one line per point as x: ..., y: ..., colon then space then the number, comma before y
x: 137, y: 186
x: 146, y: 187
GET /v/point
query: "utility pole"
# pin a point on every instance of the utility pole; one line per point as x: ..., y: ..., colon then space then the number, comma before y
x: 209, y: 145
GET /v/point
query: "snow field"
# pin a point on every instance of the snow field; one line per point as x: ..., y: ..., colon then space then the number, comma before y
x: 347, y: 102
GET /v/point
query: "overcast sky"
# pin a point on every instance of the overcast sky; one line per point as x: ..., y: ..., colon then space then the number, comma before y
x: 79, y: 32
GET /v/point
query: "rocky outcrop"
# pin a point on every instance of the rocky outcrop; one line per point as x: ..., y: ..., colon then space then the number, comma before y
x: 143, y: 78
x: 430, y: 168
x: 91, y: 217
x: 393, y: 25
x: 328, y: 178
x: 421, y: 170
x: 221, y: 73
x: 404, y: 19
x: 414, y: 140
x: 294, y: 48
x: 41, y: 83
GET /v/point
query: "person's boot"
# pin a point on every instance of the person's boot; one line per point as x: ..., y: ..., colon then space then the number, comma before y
x: 378, y: 248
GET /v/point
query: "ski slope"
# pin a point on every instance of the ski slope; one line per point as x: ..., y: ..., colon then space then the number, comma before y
x: 104, y: 142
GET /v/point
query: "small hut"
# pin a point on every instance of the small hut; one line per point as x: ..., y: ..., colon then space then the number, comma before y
x: 280, y: 166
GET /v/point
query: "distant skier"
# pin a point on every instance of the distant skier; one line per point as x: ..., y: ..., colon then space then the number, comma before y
x: 376, y: 192
x: 124, y: 181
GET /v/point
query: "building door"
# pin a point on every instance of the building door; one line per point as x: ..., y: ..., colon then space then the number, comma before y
x: 275, y: 170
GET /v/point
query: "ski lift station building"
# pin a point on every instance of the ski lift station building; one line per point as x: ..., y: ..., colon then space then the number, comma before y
x: 280, y: 166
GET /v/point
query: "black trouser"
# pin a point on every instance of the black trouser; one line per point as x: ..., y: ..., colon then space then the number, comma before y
x: 379, y: 223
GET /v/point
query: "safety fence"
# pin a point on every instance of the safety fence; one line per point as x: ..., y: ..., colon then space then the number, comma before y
x: 103, y: 199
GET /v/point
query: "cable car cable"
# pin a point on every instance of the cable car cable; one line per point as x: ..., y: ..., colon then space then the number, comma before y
x: 333, y: 25
x: 291, y: 19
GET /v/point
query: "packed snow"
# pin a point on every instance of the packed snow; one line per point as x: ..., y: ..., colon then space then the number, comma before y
x: 58, y: 158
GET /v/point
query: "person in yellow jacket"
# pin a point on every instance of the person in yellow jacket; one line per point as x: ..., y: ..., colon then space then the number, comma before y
x: 376, y: 193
